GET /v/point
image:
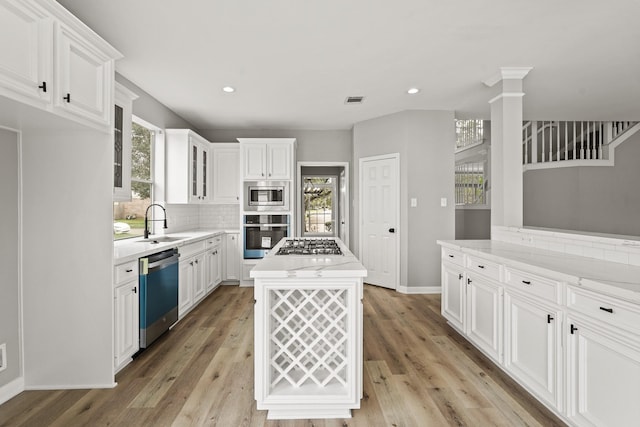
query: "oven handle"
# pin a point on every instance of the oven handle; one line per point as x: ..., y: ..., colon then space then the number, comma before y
x: 266, y: 225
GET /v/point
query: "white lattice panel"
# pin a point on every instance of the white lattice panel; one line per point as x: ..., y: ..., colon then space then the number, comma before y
x: 308, y: 336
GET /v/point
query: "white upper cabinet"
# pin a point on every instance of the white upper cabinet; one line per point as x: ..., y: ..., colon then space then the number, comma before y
x: 50, y: 60
x: 226, y: 172
x: 266, y: 159
x: 26, y: 44
x: 188, y: 170
x: 84, y: 77
x: 122, y: 143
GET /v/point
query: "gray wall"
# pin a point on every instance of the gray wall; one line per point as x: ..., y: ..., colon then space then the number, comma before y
x: 9, y: 249
x: 473, y: 224
x: 424, y: 140
x: 593, y: 199
x: 151, y: 110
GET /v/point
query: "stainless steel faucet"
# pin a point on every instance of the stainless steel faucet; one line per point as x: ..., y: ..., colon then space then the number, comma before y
x: 146, y: 219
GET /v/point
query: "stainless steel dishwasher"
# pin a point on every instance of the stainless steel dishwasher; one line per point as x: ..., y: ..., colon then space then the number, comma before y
x: 158, y: 294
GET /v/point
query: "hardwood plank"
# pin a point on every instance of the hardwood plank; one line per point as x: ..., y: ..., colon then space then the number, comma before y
x: 418, y: 372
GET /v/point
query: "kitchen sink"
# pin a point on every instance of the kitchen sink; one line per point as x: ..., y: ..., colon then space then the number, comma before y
x: 161, y: 239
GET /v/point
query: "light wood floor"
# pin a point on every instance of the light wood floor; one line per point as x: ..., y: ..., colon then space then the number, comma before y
x: 418, y: 372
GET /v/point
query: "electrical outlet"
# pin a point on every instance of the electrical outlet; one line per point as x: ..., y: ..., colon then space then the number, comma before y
x: 3, y: 356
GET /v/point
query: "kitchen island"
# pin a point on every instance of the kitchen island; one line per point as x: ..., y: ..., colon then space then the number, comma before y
x: 308, y: 330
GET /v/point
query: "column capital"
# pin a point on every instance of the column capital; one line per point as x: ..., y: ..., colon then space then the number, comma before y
x: 512, y: 73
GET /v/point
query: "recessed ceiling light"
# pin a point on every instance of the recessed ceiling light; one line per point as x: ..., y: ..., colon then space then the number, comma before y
x: 413, y: 91
x: 228, y: 89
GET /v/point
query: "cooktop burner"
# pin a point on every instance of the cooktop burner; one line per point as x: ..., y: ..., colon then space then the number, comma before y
x: 309, y: 246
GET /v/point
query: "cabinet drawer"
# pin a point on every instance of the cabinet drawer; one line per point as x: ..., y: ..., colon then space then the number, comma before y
x: 126, y: 272
x: 610, y: 310
x: 214, y: 241
x: 489, y: 269
x: 535, y: 285
x: 453, y: 256
x: 192, y: 249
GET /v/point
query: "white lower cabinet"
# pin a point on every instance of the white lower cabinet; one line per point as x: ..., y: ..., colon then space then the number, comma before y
x: 603, y: 376
x: 454, y: 295
x: 126, y: 318
x: 191, y: 287
x: 213, y: 263
x: 232, y: 257
x: 533, y: 346
x: 484, y: 315
x: 576, y: 350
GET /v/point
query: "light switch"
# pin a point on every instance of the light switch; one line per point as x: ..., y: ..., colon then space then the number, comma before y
x: 414, y: 202
x: 443, y: 202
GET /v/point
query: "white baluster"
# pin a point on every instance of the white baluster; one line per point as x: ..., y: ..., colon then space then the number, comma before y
x: 566, y: 140
x: 550, y: 141
x: 558, y: 141
x: 534, y: 142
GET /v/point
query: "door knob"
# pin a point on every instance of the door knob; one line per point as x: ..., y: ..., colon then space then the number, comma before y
x: 392, y: 230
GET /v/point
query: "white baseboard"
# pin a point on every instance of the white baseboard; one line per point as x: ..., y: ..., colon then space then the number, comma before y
x: 11, y: 390
x: 70, y: 387
x: 419, y: 289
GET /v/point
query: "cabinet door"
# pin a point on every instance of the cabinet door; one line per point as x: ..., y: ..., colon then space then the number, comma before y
x: 453, y: 295
x: 199, y: 277
x: 194, y: 171
x: 84, y: 78
x: 226, y: 175
x: 126, y: 319
x: 122, y: 144
x: 279, y: 161
x: 204, y: 174
x: 185, y: 286
x: 484, y: 315
x: 232, y: 257
x: 531, y: 347
x: 26, y: 41
x: 254, y: 158
x: 603, y: 376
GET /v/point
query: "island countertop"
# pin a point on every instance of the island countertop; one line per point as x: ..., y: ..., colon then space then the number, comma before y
x: 278, y: 266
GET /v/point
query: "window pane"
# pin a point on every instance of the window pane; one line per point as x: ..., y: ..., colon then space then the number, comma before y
x: 141, y: 153
x: 319, y: 195
x: 128, y: 217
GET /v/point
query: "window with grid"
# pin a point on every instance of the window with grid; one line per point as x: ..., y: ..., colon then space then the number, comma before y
x: 128, y: 217
x: 471, y: 184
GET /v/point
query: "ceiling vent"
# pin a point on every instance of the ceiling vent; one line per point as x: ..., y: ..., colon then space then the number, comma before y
x: 354, y: 100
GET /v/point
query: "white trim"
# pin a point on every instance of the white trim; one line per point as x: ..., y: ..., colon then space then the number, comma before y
x: 415, y: 290
x: 396, y: 158
x: 567, y: 164
x: 70, y: 387
x: 347, y: 210
x: 507, y: 73
x: 506, y: 95
x: 11, y: 390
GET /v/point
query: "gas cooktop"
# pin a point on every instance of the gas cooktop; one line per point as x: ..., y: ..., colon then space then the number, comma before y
x: 309, y: 246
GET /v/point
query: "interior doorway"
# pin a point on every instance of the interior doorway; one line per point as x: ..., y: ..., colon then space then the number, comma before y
x: 322, y: 200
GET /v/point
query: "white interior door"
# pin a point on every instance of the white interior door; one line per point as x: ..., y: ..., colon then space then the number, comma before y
x: 379, y: 212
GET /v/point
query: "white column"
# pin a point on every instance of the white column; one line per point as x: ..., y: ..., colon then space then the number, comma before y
x: 506, y: 147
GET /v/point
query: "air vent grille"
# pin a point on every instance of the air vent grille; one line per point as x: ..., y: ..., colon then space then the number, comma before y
x: 354, y: 100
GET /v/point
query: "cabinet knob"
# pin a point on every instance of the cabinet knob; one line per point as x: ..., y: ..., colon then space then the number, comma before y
x: 135, y: 290
x: 459, y: 276
x: 526, y: 282
x: 481, y: 266
x: 549, y: 318
x: 573, y: 329
x: 608, y: 310
x: 67, y: 98
x: 196, y: 261
x: 43, y: 86
x: 129, y: 270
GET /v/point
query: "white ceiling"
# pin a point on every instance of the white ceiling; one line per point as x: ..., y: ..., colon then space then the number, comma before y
x: 293, y: 62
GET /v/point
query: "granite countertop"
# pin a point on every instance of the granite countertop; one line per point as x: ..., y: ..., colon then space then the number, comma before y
x: 278, y: 266
x: 132, y: 249
x: 618, y: 279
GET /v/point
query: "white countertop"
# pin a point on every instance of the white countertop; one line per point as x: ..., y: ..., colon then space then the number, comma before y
x: 131, y: 249
x: 278, y: 266
x: 618, y: 279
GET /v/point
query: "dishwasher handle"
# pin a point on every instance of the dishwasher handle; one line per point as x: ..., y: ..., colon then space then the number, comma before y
x: 158, y: 261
